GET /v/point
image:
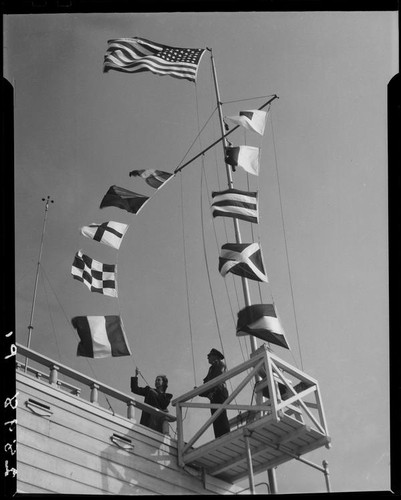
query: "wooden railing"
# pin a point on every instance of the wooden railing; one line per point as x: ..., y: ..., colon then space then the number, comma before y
x: 281, y: 388
x: 58, y: 370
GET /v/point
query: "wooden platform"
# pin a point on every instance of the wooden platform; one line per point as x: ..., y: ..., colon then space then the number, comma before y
x: 272, y: 443
x: 284, y: 421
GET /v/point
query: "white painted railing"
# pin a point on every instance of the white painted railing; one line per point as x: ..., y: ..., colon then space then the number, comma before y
x: 55, y: 378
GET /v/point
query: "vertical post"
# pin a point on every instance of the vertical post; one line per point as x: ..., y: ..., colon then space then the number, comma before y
x: 53, y: 374
x: 180, y: 435
x: 271, y: 474
x: 165, y: 427
x: 326, y: 475
x: 130, y: 410
x: 249, y: 461
x: 94, y: 393
x: 30, y: 327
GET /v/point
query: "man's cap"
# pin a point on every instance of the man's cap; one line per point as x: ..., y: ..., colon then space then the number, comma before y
x: 216, y: 353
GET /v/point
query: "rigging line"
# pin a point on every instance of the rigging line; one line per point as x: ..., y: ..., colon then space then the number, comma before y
x: 222, y: 138
x: 225, y: 232
x: 207, y: 264
x: 186, y: 278
x: 225, y: 282
x: 248, y: 99
x: 72, y: 329
x: 206, y: 261
x: 198, y: 135
x: 253, y: 239
x: 65, y: 315
x: 285, y: 239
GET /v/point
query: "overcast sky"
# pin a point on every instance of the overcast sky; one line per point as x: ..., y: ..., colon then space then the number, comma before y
x: 323, y: 202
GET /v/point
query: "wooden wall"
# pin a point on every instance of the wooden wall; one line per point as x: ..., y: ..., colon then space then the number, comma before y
x: 71, y: 451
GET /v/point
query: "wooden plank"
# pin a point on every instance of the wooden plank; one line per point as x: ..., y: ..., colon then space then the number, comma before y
x: 109, y: 477
x: 83, y: 429
x: 280, y: 460
x: 240, y: 459
x: 269, y: 434
x: 23, y: 487
x: 56, y: 483
x: 222, y: 441
x: 250, y: 363
x: 99, y: 439
x: 88, y: 456
x: 86, y: 418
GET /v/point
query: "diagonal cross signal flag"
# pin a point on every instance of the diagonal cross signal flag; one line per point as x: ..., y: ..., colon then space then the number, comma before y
x: 243, y: 259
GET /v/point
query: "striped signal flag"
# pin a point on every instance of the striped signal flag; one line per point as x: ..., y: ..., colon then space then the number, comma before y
x: 260, y: 320
x: 101, y: 336
x: 236, y: 204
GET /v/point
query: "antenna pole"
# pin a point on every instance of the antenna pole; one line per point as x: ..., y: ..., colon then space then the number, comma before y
x: 30, y: 327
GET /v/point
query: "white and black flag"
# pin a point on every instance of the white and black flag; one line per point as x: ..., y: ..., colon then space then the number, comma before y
x: 110, y: 233
x: 98, y: 277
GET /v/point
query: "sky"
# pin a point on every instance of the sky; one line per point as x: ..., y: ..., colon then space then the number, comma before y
x: 323, y: 205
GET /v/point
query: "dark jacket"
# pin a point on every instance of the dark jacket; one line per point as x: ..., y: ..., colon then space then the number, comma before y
x: 219, y: 393
x: 154, y: 398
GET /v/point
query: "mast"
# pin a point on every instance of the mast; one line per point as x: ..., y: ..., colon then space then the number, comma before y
x: 30, y: 327
x: 245, y: 287
x: 244, y: 281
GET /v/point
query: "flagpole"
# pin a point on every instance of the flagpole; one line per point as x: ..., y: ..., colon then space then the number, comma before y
x: 30, y: 327
x: 247, y: 298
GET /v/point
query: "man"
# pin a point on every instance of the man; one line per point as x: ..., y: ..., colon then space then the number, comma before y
x: 219, y: 393
x: 157, y: 397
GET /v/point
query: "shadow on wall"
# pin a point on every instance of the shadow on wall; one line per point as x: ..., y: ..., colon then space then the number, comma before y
x: 131, y: 467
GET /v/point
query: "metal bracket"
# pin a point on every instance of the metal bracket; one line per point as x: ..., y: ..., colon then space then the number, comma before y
x: 122, y: 442
x: 38, y: 408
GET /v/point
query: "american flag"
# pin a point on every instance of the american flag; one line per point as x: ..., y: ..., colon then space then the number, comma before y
x: 133, y: 55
